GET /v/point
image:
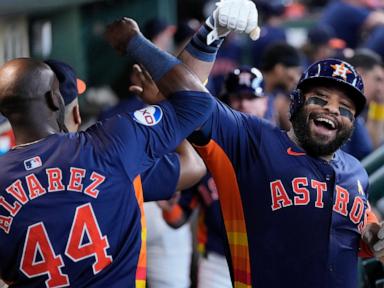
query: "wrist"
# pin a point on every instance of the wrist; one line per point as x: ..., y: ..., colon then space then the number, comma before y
x: 198, y: 46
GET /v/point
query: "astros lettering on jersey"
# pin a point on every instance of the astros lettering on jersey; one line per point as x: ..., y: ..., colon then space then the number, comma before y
x: 291, y: 219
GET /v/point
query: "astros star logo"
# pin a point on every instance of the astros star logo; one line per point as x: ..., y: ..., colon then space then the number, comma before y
x: 340, y: 70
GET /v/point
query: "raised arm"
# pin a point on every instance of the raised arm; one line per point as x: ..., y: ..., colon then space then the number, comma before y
x: 169, y: 73
x: 200, y: 53
x: 230, y: 15
x: 191, y: 102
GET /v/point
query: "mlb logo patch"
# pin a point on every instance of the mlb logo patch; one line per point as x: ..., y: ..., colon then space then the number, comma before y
x: 148, y: 116
x: 33, y: 163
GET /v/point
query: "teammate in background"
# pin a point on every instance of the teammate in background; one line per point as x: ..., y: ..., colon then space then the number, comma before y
x: 281, y: 68
x: 242, y: 92
x: 370, y: 66
x: 56, y: 187
x: 352, y: 20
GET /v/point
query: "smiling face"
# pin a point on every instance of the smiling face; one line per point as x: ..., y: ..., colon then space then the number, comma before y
x: 325, y: 121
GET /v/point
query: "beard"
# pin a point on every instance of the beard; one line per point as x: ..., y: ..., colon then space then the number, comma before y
x: 314, y: 147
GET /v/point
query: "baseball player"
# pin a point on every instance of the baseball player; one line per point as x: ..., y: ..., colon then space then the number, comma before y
x: 242, y: 91
x: 294, y: 205
x: 71, y: 204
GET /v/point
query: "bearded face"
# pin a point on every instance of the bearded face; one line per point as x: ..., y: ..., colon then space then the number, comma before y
x: 322, y: 125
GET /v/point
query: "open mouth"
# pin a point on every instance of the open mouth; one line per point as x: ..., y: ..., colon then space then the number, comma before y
x: 326, y: 123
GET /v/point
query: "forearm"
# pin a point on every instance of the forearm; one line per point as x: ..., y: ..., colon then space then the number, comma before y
x: 198, y: 55
x: 168, y: 72
x: 192, y: 167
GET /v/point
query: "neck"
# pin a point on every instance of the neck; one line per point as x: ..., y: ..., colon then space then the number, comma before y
x: 32, y: 131
x: 293, y: 138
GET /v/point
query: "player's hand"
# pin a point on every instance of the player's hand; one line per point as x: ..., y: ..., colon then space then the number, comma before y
x: 374, y: 237
x: 144, y: 86
x: 120, y: 32
x: 233, y: 15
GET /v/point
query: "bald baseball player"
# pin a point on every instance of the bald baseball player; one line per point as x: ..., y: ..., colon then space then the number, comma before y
x: 71, y: 204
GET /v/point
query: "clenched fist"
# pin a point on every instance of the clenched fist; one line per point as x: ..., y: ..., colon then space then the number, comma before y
x: 120, y: 32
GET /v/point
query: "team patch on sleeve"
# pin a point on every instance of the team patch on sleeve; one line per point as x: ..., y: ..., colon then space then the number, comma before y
x: 148, y: 116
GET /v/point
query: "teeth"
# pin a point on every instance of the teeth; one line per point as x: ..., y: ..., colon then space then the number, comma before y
x: 333, y: 125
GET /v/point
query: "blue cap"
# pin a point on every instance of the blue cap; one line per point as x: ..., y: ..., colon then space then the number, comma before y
x: 337, y: 73
x: 245, y: 80
x: 70, y: 87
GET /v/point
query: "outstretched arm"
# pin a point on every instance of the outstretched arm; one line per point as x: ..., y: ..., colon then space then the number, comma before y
x: 169, y: 73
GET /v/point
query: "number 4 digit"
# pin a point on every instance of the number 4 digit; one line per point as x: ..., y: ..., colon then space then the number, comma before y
x: 37, y: 241
x: 85, y: 222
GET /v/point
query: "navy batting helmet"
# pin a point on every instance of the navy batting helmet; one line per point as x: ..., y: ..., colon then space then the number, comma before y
x: 331, y: 72
x: 244, y: 80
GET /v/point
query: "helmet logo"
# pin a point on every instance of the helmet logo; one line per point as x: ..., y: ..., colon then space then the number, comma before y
x: 245, y: 79
x: 340, y: 70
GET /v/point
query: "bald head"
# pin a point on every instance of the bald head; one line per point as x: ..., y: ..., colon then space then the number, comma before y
x: 23, y: 80
x: 30, y: 95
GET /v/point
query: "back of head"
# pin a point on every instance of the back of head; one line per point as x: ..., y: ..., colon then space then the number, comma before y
x: 280, y: 53
x: 22, y: 81
x: 244, y: 80
x: 365, y: 59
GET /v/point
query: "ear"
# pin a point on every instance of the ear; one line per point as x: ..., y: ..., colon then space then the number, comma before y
x: 52, y: 100
x: 76, y: 115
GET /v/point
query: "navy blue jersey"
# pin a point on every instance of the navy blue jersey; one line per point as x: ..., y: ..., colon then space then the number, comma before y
x: 291, y: 220
x: 160, y: 181
x: 71, y: 204
x: 211, y: 233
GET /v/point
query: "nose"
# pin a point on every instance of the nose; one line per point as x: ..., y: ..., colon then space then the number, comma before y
x: 332, y: 107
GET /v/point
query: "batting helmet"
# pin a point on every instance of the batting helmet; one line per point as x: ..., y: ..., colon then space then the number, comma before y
x: 331, y: 72
x: 243, y: 80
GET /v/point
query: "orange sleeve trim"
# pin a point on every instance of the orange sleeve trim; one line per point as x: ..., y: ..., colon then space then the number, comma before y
x: 225, y: 177
x: 142, y: 261
x: 371, y: 217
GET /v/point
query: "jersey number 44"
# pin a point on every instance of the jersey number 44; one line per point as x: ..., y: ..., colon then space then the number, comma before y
x: 39, y: 258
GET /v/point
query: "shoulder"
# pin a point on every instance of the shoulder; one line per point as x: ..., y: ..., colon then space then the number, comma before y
x: 349, y: 163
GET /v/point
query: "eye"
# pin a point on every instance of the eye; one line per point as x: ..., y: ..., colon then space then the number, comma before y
x: 316, y: 100
x: 345, y: 112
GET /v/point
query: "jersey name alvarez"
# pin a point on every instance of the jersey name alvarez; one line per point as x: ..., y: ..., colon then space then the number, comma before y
x: 29, y: 187
x: 302, y: 195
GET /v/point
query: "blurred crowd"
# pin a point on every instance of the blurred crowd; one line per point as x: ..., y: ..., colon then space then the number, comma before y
x: 255, y: 77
